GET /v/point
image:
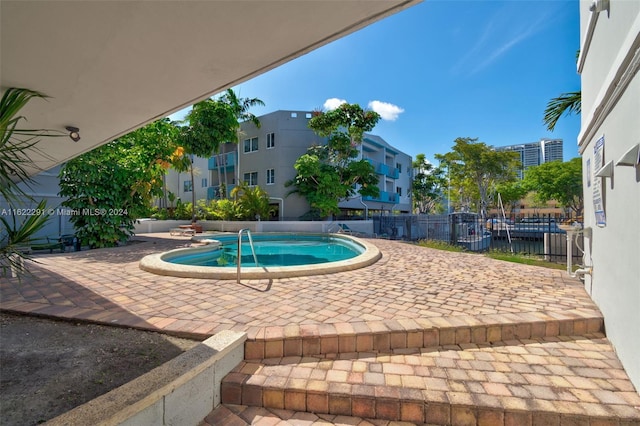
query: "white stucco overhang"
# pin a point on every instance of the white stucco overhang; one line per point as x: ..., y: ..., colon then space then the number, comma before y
x: 113, y: 66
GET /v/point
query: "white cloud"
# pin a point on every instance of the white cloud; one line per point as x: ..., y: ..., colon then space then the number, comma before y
x: 386, y: 110
x: 333, y: 103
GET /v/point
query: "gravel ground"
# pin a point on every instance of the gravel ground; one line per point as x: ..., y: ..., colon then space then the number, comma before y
x: 49, y: 367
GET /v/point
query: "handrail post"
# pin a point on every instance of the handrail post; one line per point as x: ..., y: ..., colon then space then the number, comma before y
x: 239, y: 259
x: 253, y: 251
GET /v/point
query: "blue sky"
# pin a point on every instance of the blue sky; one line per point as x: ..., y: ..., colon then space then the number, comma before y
x: 441, y: 70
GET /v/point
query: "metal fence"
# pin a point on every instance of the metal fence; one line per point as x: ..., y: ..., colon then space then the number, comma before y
x: 533, y: 235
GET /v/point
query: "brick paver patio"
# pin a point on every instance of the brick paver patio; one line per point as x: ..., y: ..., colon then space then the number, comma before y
x: 420, y: 336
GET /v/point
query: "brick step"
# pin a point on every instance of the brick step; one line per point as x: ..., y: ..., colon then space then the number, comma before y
x: 243, y: 415
x: 393, y: 335
x: 550, y: 381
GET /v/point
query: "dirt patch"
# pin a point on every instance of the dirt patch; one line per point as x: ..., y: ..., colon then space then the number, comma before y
x: 49, y: 367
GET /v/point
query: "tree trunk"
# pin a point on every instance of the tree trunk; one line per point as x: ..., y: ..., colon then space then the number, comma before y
x: 193, y: 192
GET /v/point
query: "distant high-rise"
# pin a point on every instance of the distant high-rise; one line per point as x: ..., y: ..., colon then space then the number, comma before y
x: 535, y: 153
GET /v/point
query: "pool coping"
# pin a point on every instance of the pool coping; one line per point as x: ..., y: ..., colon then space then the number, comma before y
x: 155, y: 264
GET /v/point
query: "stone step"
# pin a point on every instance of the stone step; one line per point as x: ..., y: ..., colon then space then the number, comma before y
x: 243, y: 415
x: 538, y: 381
x: 393, y: 335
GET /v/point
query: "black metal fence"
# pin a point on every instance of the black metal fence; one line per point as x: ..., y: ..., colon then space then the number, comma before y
x: 534, y: 235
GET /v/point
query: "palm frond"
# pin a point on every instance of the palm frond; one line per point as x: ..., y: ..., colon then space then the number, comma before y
x: 16, y: 143
x: 565, y: 104
x: 18, y: 236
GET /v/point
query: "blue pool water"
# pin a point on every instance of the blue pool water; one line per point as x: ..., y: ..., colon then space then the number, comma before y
x: 273, y: 250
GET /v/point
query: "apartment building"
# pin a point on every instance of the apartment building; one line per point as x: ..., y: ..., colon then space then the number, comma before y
x: 265, y: 157
x: 535, y: 153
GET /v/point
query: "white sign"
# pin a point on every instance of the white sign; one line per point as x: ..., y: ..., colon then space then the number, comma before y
x: 598, y: 202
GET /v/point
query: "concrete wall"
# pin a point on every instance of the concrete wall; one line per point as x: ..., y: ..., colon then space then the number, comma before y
x: 611, y: 110
x: 362, y: 226
x: 45, y: 187
x: 180, y: 392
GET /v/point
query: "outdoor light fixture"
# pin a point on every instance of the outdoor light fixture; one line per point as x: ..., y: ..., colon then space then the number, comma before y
x: 631, y: 157
x: 599, y: 5
x: 74, y: 133
x: 606, y: 171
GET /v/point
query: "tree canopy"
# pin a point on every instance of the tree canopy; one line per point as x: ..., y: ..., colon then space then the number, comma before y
x: 211, y: 123
x: 427, y: 185
x: 328, y: 174
x: 475, y: 169
x: 112, y: 185
x: 557, y: 180
x: 511, y: 193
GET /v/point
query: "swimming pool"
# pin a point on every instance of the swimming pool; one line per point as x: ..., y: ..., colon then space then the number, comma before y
x: 273, y: 250
x: 278, y: 254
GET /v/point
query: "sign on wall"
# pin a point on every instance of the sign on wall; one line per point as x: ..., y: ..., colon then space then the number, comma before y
x: 598, y: 201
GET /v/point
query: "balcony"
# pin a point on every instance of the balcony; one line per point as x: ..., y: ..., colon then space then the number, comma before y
x: 384, y: 169
x: 224, y: 161
x: 384, y: 197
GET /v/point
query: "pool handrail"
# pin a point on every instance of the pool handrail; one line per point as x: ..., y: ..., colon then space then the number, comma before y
x: 253, y: 250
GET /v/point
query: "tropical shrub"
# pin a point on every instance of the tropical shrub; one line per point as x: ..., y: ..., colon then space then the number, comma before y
x: 111, y: 186
x: 16, y: 145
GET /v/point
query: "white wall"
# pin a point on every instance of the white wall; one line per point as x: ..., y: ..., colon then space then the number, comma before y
x: 613, y: 250
x: 45, y: 187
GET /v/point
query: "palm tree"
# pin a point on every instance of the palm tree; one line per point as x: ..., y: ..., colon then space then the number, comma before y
x: 213, y: 122
x: 15, y: 146
x: 566, y: 104
x: 240, y: 107
x: 15, y: 143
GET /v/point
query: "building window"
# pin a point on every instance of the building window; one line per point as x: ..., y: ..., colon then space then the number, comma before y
x: 294, y: 115
x: 251, y: 145
x: 399, y: 191
x: 204, y: 183
x: 399, y: 167
x: 271, y: 176
x: 251, y: 178
x: 271, y: 140
x: 187, y: 186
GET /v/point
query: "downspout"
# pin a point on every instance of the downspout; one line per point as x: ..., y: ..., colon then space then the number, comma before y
x: 366, y: 209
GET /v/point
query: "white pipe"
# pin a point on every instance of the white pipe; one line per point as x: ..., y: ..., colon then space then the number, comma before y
x: 581, y: 271
x: 569, y: 253
x: 366, y: 209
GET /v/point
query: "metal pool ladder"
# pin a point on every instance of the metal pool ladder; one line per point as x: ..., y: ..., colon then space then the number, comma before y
x: 253, y: 250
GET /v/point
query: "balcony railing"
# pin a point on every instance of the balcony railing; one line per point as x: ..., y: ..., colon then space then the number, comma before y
x: 384, y: 169
x: 384, y: 197
x: 225, y: 161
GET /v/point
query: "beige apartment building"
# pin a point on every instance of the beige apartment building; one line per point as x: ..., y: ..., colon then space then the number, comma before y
x: 265, y: 157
